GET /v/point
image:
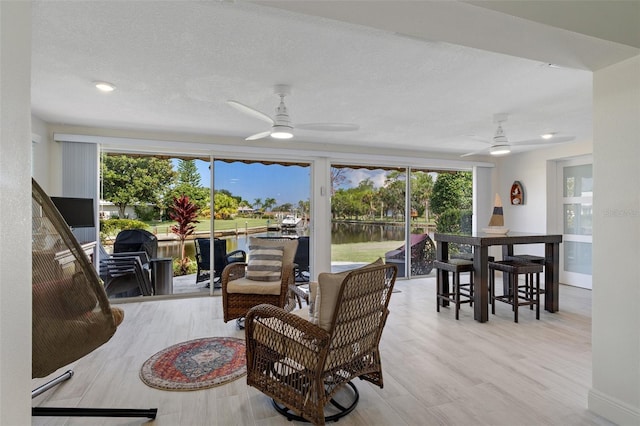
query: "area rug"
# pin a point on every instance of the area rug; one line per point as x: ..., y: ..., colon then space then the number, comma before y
x: 196, y: 364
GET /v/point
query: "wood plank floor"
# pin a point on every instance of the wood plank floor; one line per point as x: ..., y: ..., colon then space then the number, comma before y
x: 437, y: 371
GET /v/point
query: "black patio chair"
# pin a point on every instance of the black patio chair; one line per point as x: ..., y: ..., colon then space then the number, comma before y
x: 135, y: 240
x: 302, y: 260
x: 220, y: 259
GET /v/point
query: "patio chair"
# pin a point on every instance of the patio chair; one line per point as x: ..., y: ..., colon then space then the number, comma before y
x: 220, y: 258
x: 423, y: 253
x: 264, y: 279
x: 304, y: 362
x: 136, y: 240
x: 71, y: 311
x: 125, y: 274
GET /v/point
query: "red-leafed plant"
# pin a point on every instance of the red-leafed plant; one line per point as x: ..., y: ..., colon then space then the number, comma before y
x: 185, y: 213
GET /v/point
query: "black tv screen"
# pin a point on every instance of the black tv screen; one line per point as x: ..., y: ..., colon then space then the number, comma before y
x: 77, y: 212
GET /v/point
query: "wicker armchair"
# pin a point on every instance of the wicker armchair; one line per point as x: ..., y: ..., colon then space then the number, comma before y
x: 239, y: 293
x: 301, y: 365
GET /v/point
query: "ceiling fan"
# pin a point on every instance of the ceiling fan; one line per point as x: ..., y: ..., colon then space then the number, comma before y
x: 500, y: 145
x: 281, y: 125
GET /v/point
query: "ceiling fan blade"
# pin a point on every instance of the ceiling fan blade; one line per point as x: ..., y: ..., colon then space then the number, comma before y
x: 328, y: 127
x: 258, y: 136
x: 540, y: 141
x: 250, y: 111
x: 468, y: 154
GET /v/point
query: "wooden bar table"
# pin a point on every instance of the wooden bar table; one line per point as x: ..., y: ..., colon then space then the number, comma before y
x: 481, y: 243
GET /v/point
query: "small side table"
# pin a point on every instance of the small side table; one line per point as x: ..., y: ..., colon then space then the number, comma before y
x: 298, y: 293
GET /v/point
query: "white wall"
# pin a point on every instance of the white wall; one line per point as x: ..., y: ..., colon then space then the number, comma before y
x: 615, y: 391
x: 15, y: 205
x: 530, y: 169
x: 41, y: 166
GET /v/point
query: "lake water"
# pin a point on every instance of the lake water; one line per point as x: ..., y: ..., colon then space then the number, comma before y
x: 341, y: 233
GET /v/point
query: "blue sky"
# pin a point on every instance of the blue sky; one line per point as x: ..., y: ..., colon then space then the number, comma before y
x: 287, y: 184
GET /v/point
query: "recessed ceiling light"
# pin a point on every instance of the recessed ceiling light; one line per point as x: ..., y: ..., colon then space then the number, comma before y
x: 104, y: 86
x: 547, y: 135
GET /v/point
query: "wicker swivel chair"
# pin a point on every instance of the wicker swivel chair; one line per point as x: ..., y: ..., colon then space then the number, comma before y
x: 242, y: 291
x: 301, y: 365
x: 71, y: 312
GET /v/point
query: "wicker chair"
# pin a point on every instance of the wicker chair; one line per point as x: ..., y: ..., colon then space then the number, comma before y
x: 71, y: 312
x: 239, y: 293
x: 303, y: 366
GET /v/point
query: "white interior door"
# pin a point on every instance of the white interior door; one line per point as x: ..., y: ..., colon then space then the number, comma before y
x: 576, y: 208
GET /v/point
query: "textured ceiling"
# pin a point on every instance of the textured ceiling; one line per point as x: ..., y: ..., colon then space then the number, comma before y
x: 175, y: 64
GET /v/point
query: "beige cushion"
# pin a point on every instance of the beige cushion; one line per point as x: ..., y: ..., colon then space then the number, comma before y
x: 314, y: 303
x: 265, y: 263
x: 329, y: 286
x: 302, y: 313
x: 247, y: 286
x: 289, y: 247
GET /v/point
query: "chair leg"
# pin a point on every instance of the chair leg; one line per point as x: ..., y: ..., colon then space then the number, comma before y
x: 537, y: 296
x: 456, y: 289
x: 514, y: 295
x: 492, y: 294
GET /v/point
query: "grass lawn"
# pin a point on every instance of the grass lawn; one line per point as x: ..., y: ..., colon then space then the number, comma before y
x: 205, y: 224
x: 362, y: 252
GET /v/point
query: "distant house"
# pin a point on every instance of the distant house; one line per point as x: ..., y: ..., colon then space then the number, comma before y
x: 109, y: 210
x: 246, y: 210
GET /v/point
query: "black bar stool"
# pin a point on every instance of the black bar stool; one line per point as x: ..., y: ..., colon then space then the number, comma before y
x: 528, y: 282
x: 514, y: 297
x: 459, y: 292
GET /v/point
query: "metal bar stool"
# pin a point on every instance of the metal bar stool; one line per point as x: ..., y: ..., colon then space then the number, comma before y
x: 460, y: 292
x: 514, y: 297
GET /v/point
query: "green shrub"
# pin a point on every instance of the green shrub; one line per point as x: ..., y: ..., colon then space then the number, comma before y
x: 146, y: 213
x: 109, y: 228
x: 185, y: 266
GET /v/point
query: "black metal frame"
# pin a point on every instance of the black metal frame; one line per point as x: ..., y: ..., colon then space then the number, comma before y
x: 342, y: 410
x: 84, y: 412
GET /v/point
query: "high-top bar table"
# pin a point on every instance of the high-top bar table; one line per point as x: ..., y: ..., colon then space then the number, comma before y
x: 480, y: 243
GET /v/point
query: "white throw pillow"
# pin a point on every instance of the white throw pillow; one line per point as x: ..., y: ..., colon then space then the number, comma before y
x: 329, y: 286
x: 265, y: 263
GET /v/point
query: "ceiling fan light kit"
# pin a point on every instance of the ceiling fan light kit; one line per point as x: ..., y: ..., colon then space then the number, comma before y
x: 498, y: 150
x: 281, y: 132
x: 501, y: 145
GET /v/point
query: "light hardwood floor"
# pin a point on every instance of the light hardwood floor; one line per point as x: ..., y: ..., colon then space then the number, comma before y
x: 437, y: 371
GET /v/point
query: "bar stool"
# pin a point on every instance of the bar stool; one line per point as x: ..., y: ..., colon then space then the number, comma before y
x: 528, y: 282
x: 514, y: 297
x: 459, y: 292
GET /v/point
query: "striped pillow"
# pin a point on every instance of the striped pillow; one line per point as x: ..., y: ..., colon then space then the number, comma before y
x: 265, y: 263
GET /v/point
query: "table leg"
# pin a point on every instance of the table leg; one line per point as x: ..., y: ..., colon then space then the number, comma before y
x: 481, y: 284
x: 551, y: 276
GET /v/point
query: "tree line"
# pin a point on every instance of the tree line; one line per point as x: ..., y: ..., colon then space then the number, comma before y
x: 151, y: 185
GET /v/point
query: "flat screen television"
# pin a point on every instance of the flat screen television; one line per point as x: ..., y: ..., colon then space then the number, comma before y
x: 77, y: 212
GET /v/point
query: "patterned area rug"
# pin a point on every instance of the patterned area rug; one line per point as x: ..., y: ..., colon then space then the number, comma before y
x: 196, y: 364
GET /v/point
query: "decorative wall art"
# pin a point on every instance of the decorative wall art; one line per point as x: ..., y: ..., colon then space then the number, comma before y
x: 517, y: 194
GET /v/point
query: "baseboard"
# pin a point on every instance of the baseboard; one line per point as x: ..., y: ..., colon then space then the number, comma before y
x: 613, y: 409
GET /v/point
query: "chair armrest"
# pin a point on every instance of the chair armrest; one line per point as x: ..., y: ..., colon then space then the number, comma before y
x: 231, y: 272
x: 236, y: 256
